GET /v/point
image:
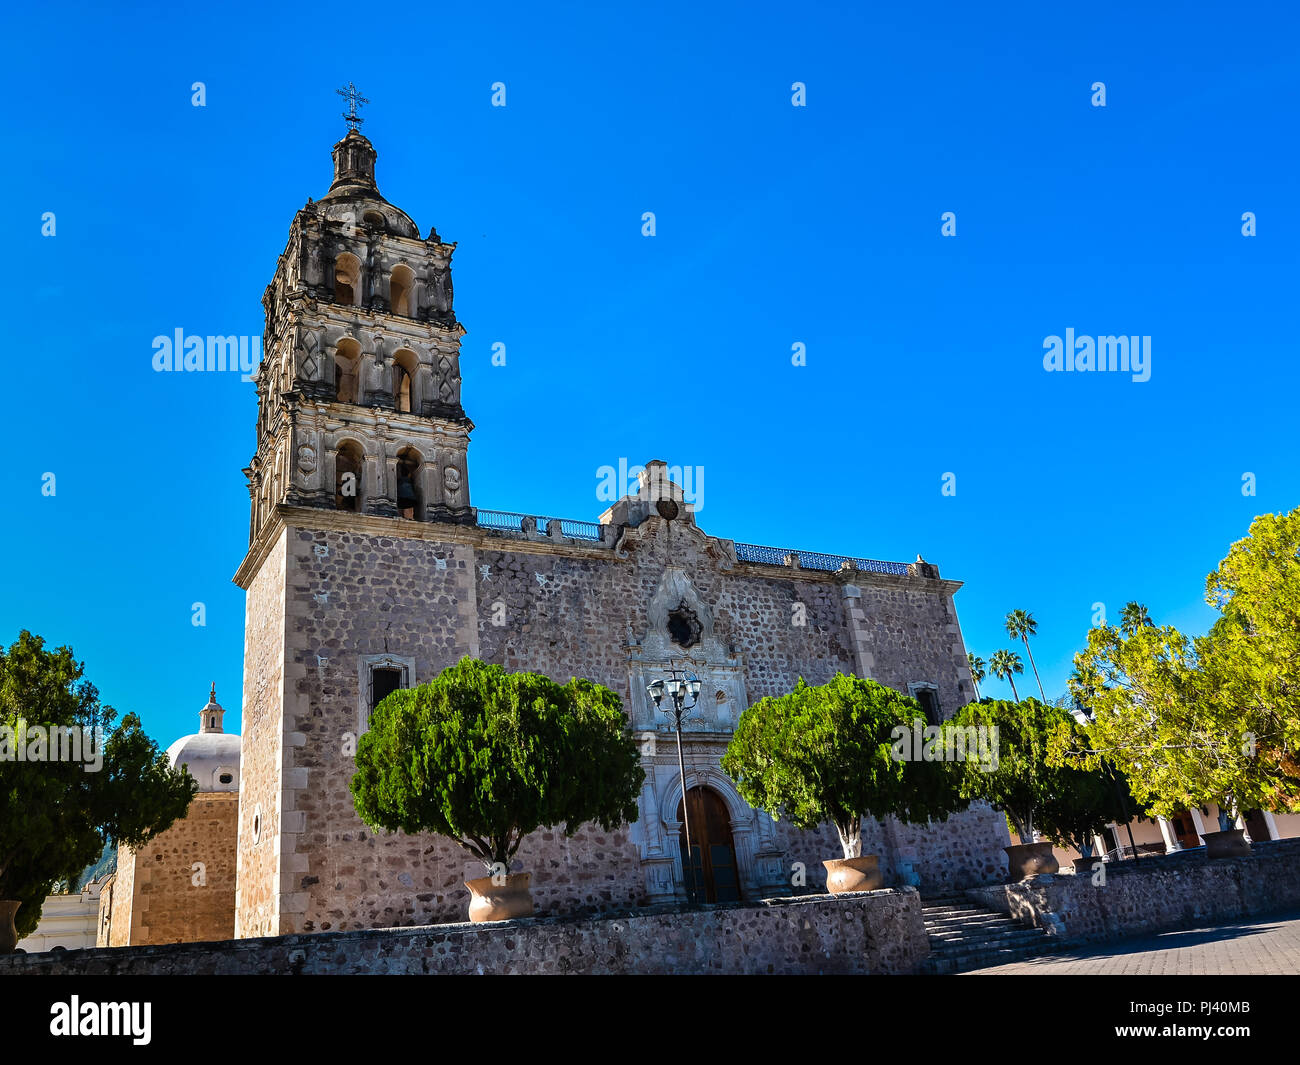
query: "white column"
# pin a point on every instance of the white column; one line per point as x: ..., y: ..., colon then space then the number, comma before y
x: 1171, y: 840
x: 1272, y: 825
x: 1197, y: 823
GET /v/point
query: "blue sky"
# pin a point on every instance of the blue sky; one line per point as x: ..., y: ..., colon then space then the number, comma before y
x: 775, y: 225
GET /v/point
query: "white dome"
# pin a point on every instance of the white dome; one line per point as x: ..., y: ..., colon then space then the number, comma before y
x: 211, y: 755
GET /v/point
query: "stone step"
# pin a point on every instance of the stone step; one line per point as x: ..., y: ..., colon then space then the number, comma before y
x: 967, y: 922
x: 985, y: 957
x: 965, y: 936
x: 939, y: 915
x: 950, y: 935
x: 1002, y: 937
x: 957, y: 915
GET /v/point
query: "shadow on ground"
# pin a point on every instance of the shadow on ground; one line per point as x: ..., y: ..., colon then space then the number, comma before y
x: 1163, y: 941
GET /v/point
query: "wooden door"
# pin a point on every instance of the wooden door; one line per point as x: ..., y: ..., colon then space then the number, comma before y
x: 710, y: 870
x: 1185, y: 830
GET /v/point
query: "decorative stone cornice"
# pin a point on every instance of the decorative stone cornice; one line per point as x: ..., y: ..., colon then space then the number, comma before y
x: 286, y: 516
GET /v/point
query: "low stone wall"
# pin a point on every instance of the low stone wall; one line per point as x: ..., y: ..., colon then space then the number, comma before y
x: 1180, y: 890
x: 872, y: 932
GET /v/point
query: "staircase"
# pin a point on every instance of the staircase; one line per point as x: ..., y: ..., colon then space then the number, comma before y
x: 964, y: 936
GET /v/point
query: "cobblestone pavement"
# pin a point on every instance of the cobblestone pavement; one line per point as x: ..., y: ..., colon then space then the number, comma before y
x: 1261, y: 945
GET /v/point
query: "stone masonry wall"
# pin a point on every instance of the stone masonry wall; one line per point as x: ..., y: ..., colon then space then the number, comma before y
x: 119, y: 899
x: 878, y: 932
x: 352, y: 596
x: 564, y: 612
x: 166, y: 906
x: 1181, y: 890
x: 261, y: 744
x: 963, y: 851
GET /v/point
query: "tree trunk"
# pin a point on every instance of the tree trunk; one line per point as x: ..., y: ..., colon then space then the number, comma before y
x: 1014, y: 693
x: 851, y: 837
x: 1034, y: 667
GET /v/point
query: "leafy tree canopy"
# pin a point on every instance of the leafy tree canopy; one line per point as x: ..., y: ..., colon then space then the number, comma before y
x: 824, y: 754
x: 1091, y: 792
x: 485, y: 757
x: 1214, y: 718
x: 57, y: 814
x: 1023, y: 784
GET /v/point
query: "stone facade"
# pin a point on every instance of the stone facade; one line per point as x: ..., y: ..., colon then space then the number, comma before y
x: 1181, y: 890
x: 348, y: 594
x: 158, y: 896
x: 879, y: 932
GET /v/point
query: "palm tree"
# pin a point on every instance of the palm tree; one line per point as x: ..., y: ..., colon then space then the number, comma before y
x: 977, y: 673
x: 1084, y: 684
x: 1133, y: 617
x: 1004, y: 665
x: 1021, y: 624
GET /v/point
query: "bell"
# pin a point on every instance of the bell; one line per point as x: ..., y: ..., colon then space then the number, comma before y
x: 405, y: 493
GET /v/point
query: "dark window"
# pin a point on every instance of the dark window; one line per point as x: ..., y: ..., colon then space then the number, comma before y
x: 383, y: 682
x: 929, y: 700
x: 684, y: 627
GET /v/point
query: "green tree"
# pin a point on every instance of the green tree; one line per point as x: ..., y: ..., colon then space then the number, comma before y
x: 1004, y: 665
x: 977, y: 673
x: 1023, y: 782
x: 1253, y: 652
x: 825, y: 755
x: 1091, y: 793
x: 485, y: 757
x: 1021, y: 625
x: 57, y: 814
x: 1214, y: 718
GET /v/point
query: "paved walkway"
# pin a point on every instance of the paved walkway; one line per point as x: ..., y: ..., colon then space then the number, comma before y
x: 1262, y: 945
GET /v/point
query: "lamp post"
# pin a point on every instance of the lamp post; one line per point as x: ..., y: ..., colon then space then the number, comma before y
x: 679, y: 686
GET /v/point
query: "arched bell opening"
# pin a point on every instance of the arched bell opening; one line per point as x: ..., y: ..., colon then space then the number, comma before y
x: 346, y: 360
x: 405, y: 364
x: 347, y: 279
x: 400, y: 284
x: 347, y: 476
x: 410, y: 505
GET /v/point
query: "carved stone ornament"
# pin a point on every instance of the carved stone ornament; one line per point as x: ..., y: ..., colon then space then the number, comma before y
x: 451, y: 482
x: 307, y: 459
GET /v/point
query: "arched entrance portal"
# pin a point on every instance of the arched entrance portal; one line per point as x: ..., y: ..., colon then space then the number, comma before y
x: 711, y: 871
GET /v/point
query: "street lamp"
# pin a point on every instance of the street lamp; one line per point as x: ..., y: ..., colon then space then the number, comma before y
x: 678, y: 686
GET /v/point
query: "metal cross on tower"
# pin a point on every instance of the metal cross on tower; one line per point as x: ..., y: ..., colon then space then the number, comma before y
x: 353, y: 98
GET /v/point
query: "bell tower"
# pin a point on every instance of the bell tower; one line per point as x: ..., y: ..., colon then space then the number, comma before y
x: 359, y: 405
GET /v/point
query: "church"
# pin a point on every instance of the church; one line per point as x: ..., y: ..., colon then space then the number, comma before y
x: 369, y: 568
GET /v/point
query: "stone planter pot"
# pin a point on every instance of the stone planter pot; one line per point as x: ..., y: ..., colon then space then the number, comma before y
x: 1230, y: 844
x: 8, y: 933
x: 853, y: 874
x: 500, y: 902
x: 1031, y: 859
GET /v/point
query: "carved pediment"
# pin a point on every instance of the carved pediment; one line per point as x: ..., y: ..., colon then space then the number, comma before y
x: 676, y: 594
